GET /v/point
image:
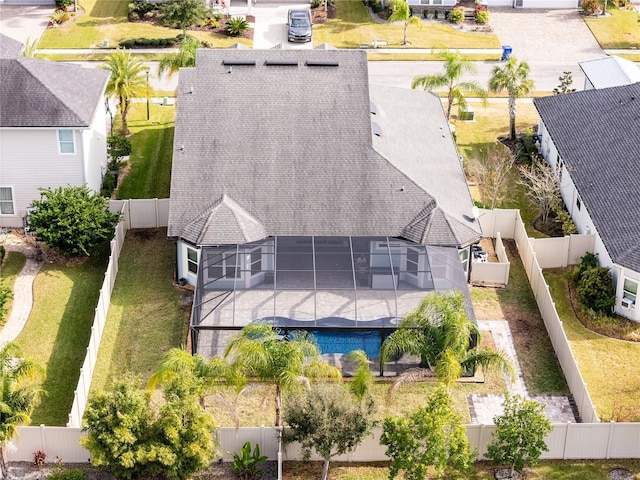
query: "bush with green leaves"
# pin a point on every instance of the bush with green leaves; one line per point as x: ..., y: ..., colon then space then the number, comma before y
x: 68, y: 474
x: 456, y: 16
x: 183, y: 13
x: 246, y: 464
x: 519, y: 439
x: 64, y: 3
x: 58, y: 17
x: 482, y: 17
x: 5, y: 295
x: 142, y: 7
x: 108, y: 184
x: 118, y: 147
x: 587, y: 262
x: 236, y: 26
x: 73, y: 219
x: 3, y: 252
x: 596, y: 291
x: 589, y: 7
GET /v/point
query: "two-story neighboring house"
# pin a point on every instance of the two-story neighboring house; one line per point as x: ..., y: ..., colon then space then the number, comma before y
x: 303, y: 196
x: 592, y: 138
x: 53, y: 129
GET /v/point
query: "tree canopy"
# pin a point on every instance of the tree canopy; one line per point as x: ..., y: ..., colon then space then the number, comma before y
x: 183, y: 13
x: 186, y: 57
x: 401, y: 12
x: 73, y: 219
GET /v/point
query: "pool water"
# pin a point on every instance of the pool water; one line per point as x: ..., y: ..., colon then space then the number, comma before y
x: 345, y: 341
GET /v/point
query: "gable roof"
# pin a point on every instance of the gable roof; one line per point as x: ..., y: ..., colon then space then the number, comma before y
x: 10, y: 48
x: 610, y: 71
x: 286, y: 135
x: 596, y: 133
x: 39, y: 93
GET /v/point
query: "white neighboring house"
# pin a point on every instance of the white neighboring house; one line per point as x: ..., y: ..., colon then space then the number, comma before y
x: 556, y: 4
x: 611, y: 71
x: 53, y: 129
x: 592, y: 137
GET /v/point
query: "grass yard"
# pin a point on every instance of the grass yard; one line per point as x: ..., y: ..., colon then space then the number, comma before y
x: 609, y: 366
x: 9, y: 270
x: 107, y: 20
x: 96, y: 57
x: 353, y: 27
x: 548, y: 470
x: 380, y: 55
x: 145, y: 317
x: 619, y: 30
x: 152, y: 146
x: 490, y: 123
x: 58, y: 330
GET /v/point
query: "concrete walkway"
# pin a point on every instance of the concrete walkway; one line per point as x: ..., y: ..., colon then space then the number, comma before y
x: 22, y: 291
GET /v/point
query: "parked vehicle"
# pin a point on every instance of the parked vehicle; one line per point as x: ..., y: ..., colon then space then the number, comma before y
x: 299, y: 25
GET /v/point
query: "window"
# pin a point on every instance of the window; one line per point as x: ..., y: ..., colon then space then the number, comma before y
x: 578, y: 203
x: 221, y: 265
x: 256, y: 261
x: 6, y: 201
x: 65, y: 141
x: 192, y: 260
x: 630, y: 290
x: 412, y: 261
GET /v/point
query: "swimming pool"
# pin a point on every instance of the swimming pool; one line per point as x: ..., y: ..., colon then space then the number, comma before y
x: 345, y: 341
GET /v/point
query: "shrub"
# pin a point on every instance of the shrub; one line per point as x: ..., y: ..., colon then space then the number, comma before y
x: 316, y: 3
x: 108, y: 184
x: 236, y: 26
x: 5, y: 295
x: 69, y: 474
x: 118, y: 146
x: 141, y: 7
x: 587, y: 262
x: 435, y: 14
x: 145, y: 42
x: 246, y: 463
x: 64, y: 3
x: 38, y: 458
x: 595, y: 289
x: 59, y: 16
x: 3, y: 252
x: 482, y: 17
x: 456, y: 16
x: 589, y: 7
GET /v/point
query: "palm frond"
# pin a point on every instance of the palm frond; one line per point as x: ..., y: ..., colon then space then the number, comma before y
x: 410, y: 375
x: 489, y: 359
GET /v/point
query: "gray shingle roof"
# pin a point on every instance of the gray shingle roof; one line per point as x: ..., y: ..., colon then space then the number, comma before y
x: 10, y: 48
x: 610, y: 71
x: 290, y: 145
x: 596, y: 133
x: 39, y: 93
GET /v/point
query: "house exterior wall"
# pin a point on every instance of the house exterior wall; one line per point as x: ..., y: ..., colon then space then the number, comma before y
x: 585, y: 225
x: 95, y: 149
x: 29, y: 159
x: 432, y: 3
x: 547, y: 3
x: 182, y: 261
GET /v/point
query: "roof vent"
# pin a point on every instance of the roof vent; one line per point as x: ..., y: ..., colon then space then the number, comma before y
x: 375, y: 128
x: 282, y: 63
x: 321, y: 63
x: 246, y: 63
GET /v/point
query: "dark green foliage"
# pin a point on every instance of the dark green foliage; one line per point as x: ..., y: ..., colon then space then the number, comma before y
x: 316, y: 3
x: 3, y: 252
x: 246, y: 463
x: 566, y: 80
x: 236, y: 26
x: 183, y: 13
x: 150, y: 42
x: 108, y: 184
x: 431, y: 436
x: 435, y: 14
x: 118, y: 146
x: 141, y: 7
x: 519, y: 439
x: 329, y: 420
x: 64, y: 3
x: 5, y: 295
x: 131, y: 439
x: 69, y: 474
x: 587, y: 262
x: 595, y: 289
x: 72, y: 219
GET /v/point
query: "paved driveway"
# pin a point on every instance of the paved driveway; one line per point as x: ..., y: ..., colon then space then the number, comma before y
x: 24, y: 21
x: 271, y: 25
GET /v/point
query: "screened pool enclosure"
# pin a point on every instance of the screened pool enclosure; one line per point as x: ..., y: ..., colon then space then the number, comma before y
x: 349, y: 291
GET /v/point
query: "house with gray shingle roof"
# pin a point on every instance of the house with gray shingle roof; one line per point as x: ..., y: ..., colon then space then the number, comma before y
x: 592, y: 138
x: 53, y: 129
x: 303, y: 196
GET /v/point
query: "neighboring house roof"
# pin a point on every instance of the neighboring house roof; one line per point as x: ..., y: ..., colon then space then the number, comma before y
x: 283, y: 146
x: 596, y: 133
x: 10, y: 48
x: 39, y: 93
x: 610, y: 71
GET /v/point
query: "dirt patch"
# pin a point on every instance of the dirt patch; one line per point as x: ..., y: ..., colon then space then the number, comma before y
x: 321, y: 15
x: 488, y: 246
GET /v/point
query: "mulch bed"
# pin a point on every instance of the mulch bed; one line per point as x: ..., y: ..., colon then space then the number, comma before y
x: 320, y: 15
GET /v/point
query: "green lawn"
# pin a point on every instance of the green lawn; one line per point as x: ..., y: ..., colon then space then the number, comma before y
x: 608, y: 366
x: 353, y: 27
x: 145, y: 317
x: 152, y: 147
x: 58, y: 330
x: 380, y: 55
x: 619, y: 30
x: 107, y: 20
x: 11, y: 267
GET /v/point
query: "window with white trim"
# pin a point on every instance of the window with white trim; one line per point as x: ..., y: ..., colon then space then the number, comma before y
x: 66, y: 142
x: 413, y: 257
x: 223, y: 265
x: 192, y: 260
x: 630, y: 290
x: 6, y: 201
x: 256, y: 261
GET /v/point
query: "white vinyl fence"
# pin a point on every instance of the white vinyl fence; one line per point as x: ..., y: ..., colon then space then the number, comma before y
x: 150, y: 213
x: 492, y: 273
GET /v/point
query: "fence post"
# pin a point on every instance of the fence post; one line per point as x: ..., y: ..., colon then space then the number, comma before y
x: 608, y: 455
x: 43, y: 441
x: 566, y: 435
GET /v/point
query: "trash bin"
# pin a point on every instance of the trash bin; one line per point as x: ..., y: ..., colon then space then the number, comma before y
x: 466, y: 114
x: 506, y: 52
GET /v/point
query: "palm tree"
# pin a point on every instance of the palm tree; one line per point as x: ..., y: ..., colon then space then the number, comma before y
x: 260, y: 352
x: 514, y: 78
x: 178, y: 362
x: 186, y: 57
x: 363, y: 378
x: 439, y: 331
x: 455, y: 65
x: 19, y: 395
x: 126, y: 83
x: 402, y: 13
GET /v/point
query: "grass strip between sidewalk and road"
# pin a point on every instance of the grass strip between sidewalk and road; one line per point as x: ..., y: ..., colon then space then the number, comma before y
x: 58, y: 329
x: 11, y: 267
